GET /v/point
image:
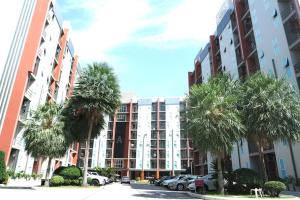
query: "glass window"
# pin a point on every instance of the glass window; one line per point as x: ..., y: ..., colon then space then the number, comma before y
x: 153, y: 134
x: 153, y: 125
x: 153, y: 164
x: 119, y: 164
x: 162, y: 125
x: 183, y: 153
x: 134, y: 116
x: 162, y: 164
x: 162, y: 106
x: 108, y: 163
x: 109, y: 144
x: 162, y: 134
x: 134, y: 107
x: 133, y: 125
x: 162, y: 116
x: 153, y: 153
x: 133, y: 154
x: 154, y: 116
x: 110, y: 125
x: 153, y: 143
x: 183, y: 144
x: 154, y: 107
x: 162, y: 153
x: 108, y: 153
x: 132, y: 164
x: 121, y: 117
x: 123, y: 108
x: 133, y: 135
x: 133, y: 144
x: 162, y: 144
x: 109, y: 135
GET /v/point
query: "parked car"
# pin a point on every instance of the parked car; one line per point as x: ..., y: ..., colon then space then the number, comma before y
x: 125, y: 179
x: 176, y: 178
x: 96, y: 178
x: 106, y: 179
x: 182, y: 184
x: 209, y: 183
x: 164, y: 178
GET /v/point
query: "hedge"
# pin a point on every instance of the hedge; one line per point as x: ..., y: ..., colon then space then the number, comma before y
x: 56, y: 180
x: 273, y: 188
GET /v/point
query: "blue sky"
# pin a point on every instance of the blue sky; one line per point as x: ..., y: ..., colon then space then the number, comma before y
x: 151, y: 44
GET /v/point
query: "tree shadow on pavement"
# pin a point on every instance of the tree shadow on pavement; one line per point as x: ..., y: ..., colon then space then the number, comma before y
x: 163, y: 195
x: 147, y: 187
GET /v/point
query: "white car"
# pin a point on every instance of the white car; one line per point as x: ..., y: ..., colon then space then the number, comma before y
x: 209, y: 183
x: 166, y: 182
x: 96, y: 178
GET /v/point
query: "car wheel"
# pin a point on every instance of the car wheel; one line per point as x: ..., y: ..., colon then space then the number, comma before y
x: 180, y: 187
x: 95, y: 182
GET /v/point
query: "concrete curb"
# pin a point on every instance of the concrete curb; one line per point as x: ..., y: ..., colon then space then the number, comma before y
x: 16, y: 187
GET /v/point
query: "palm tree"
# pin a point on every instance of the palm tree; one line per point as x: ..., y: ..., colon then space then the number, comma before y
x: 271, y: 112
x: 214, y: 120
x: 96, y: 94
x: 44, y: 135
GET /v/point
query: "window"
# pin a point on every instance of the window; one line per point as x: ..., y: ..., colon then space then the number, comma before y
x: 153, y: 153
x: 133, y: 144
x: 25, y: 109
x: 162, y: 116
x: 162, y: 125
x: 119, y: 164
x: 108, y: 163
x: 133, y: 135
x: 91, y: 143
x: 275, y: 13
x: 154, y: 107
x: 153, y: 143
x: 154, y: 116
x: 153, y: 134
x: 109, y: 144
x: 162, y: 153
x: 162, y: 144
x: 153, y: 164
x: 183, y: 144
x: 133, y: 154
x: 162, y: 106
x: 134, y: 125
x: 153, y: 125
x: 110, y: 125
x: 123, y: 108
x: 184, y: 164
x: 135, y: 107
x: 162, y: 134
x: 109, y: 135
x: 183, y: 153
x: 182, y: 107
x: 134, y: 116
x: 111, y: 118
x: 162, y: 164
x: 132, y: 164
x: 108, y: 153
x: 121, y: 117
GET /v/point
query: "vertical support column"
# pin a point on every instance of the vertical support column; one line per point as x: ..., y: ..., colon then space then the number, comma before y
x: 158, y: 139
x: 241, y: 32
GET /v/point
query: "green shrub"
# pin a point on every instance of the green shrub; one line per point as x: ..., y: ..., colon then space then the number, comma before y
x: 3, y: 174
x: 56, y: 180
x: 241, y: 181
x: 138, y: 178
x: 70, y: 172
x: 72, y: 182
x: 273, y: 188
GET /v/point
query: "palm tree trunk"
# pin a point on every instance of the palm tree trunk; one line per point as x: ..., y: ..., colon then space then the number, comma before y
x: 220, y: 175
x: 262, y: 161
x: 87, y: 148
x: 48, y: 172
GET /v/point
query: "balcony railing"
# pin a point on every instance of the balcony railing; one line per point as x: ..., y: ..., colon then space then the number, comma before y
x: 288, y: 10
x: 293, y: 34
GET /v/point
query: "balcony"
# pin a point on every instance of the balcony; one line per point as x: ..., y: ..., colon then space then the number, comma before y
x: 287, y: 10
x: 50, y: 15
x: 292, y: 31
x: 247, y: 26
x: 24, y: 109
x: 44, y: 34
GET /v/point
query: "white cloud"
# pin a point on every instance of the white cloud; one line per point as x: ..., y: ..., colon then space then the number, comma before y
x: 191, y: 21
x: 115, y: 22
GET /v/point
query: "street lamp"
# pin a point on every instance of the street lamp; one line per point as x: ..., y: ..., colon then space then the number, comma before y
x: 142, y: 175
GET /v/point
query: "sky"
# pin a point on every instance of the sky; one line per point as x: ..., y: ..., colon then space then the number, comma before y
x: 151, y: 44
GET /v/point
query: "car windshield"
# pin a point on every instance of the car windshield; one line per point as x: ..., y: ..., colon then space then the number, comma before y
x: 125, y: 177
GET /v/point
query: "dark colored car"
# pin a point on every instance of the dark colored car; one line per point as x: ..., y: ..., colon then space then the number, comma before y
x: 125, y: 179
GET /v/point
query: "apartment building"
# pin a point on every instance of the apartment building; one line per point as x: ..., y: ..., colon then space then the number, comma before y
x: 145, y: 138
x: 37, y: 64
x: 254, y: 35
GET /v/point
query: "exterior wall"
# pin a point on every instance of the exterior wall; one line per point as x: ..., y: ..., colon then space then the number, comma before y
x: 227, y: 50
x: 206, y: 68
x: 172, y: 135
x: 143, y: 134
x: 25, y: 71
